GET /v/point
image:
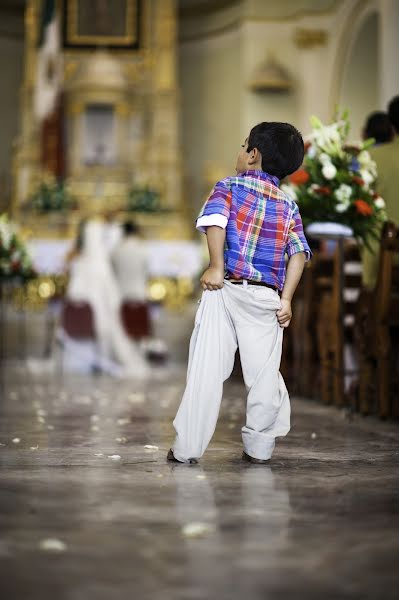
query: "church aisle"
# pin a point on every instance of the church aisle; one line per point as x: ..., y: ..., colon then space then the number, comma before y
x: 79, y: 523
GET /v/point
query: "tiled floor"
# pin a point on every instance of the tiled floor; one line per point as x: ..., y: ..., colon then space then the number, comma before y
x: 321, y: 522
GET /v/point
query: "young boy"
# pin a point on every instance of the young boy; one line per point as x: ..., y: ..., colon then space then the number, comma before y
x: 250, y: 226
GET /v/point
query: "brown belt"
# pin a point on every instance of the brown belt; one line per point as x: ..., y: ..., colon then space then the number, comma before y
x: 261, y: 283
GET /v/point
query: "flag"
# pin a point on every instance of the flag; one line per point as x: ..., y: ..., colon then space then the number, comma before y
x: 49, y: 62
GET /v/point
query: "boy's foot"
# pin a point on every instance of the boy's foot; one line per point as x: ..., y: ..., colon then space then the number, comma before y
x: 171, y: 458
x: 255, y: 461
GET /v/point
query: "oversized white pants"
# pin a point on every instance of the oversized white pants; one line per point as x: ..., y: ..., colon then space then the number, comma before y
x: 243, y: 316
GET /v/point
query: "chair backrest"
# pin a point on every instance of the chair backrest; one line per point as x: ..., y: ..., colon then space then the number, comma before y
x: 386, y: 295
x: 136, y: 319
x: 346, y: 282
x: 78, y: 320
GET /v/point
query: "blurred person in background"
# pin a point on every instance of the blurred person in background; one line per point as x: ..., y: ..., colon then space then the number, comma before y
x: 130, y: 262
x: 379, y: 127
x: 92, y: 281
x: 112, y: 231
x: 386, y: 156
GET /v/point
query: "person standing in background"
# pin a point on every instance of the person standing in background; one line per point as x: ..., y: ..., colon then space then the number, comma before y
x: 386, y: 157
x: 130, y: 262
x: 379, y: 127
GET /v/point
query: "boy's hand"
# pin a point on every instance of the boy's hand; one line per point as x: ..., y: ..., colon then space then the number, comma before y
x: 284, y: 315
x: 213, y: 278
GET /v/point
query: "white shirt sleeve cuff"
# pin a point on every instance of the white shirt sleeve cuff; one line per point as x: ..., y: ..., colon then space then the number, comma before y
x: 209, y: 220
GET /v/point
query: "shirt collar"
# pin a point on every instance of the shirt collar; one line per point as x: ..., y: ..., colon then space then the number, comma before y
x: 262, y: 175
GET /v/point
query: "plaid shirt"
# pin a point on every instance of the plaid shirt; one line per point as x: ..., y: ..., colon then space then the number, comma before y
x: 262, y: 224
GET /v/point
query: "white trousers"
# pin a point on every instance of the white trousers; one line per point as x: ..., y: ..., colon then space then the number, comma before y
x: 243, y: 316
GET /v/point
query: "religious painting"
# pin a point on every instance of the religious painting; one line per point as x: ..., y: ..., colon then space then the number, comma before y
x: 99, y: 23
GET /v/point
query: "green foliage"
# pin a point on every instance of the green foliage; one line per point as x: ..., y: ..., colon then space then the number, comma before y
x: 52, y: 196
x: 144, y: 199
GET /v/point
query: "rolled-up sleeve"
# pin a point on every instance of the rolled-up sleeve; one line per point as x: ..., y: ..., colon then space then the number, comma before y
x: 216, y: 210
x: 297, y: 241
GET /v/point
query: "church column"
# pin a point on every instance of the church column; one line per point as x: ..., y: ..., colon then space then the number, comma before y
x: 27, y: 152
x: 165, y: 138
x: 388, y: 50
x: 312, y: 81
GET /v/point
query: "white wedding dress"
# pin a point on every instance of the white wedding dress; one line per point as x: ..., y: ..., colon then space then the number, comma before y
x: 92, y: 281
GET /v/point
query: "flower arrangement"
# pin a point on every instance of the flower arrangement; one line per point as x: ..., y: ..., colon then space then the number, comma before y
x: 337, y: 181
x: 52, y: 195
x: 144, y: 199
x: 14, y: 258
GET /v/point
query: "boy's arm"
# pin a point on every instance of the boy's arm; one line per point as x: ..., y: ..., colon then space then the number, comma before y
x: 212, y: 279
x: 294, y: 272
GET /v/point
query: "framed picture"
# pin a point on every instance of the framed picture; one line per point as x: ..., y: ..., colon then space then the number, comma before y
x: 96, y: 23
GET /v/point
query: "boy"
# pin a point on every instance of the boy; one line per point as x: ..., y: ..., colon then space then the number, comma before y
x: 250, y: 225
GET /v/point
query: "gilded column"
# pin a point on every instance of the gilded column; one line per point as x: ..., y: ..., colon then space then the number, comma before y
x: 165, y: 135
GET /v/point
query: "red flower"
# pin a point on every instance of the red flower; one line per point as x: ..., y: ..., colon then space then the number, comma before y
x: 299, y: 177
x: 323, y: 190
x: 307, y: 146
x: 363, y: 208
x: 358, y: 180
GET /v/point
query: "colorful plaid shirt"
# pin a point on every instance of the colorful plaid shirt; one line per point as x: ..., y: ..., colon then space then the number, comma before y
x: 262, y: 223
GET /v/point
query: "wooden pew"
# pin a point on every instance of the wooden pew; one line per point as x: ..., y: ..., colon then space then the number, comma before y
x: 316, y: 280
x: 336, y: 323
x: 380, y: 331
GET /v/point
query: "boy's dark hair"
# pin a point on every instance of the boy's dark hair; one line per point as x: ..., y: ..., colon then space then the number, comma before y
x: 130, y: 228
x: 393, y: 113
x: 379, y: 127
x: 281, y: 147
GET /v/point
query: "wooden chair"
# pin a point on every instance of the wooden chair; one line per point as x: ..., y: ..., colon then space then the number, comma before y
x: 336, y: 323
x: 77, y: 320
x: 380, y: 330
x: 136, y: 319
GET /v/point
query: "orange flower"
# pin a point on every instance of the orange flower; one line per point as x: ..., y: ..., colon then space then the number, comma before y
x: 299, y: 177
x: 363, y: 208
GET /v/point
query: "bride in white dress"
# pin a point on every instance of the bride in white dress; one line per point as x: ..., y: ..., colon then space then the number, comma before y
x: 92, y: 281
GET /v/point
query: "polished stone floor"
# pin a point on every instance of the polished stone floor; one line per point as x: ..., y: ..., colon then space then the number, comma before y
x: 79, y: 523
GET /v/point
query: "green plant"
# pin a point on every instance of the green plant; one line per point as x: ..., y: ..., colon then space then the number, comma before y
x: 52, y: 195
x: 144, y: 199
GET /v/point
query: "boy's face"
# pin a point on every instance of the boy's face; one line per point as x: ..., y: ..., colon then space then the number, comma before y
x: 242, y: 158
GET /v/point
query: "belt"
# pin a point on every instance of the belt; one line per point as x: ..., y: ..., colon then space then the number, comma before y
x: 261, y: 283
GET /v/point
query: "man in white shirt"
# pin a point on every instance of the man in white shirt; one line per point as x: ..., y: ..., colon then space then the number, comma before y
x: 130, y: 263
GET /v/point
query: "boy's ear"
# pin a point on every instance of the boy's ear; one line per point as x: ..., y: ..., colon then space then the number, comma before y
x: 254, y: 156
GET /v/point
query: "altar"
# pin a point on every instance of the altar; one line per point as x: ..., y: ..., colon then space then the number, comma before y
x: 114, y: 127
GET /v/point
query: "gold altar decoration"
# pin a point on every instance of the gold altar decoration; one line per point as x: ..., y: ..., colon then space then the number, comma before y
x: 271, y: 76
x: 116, y: 24
x: 133, y: 94
x: 173, y: 293
x: 309, y: 38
